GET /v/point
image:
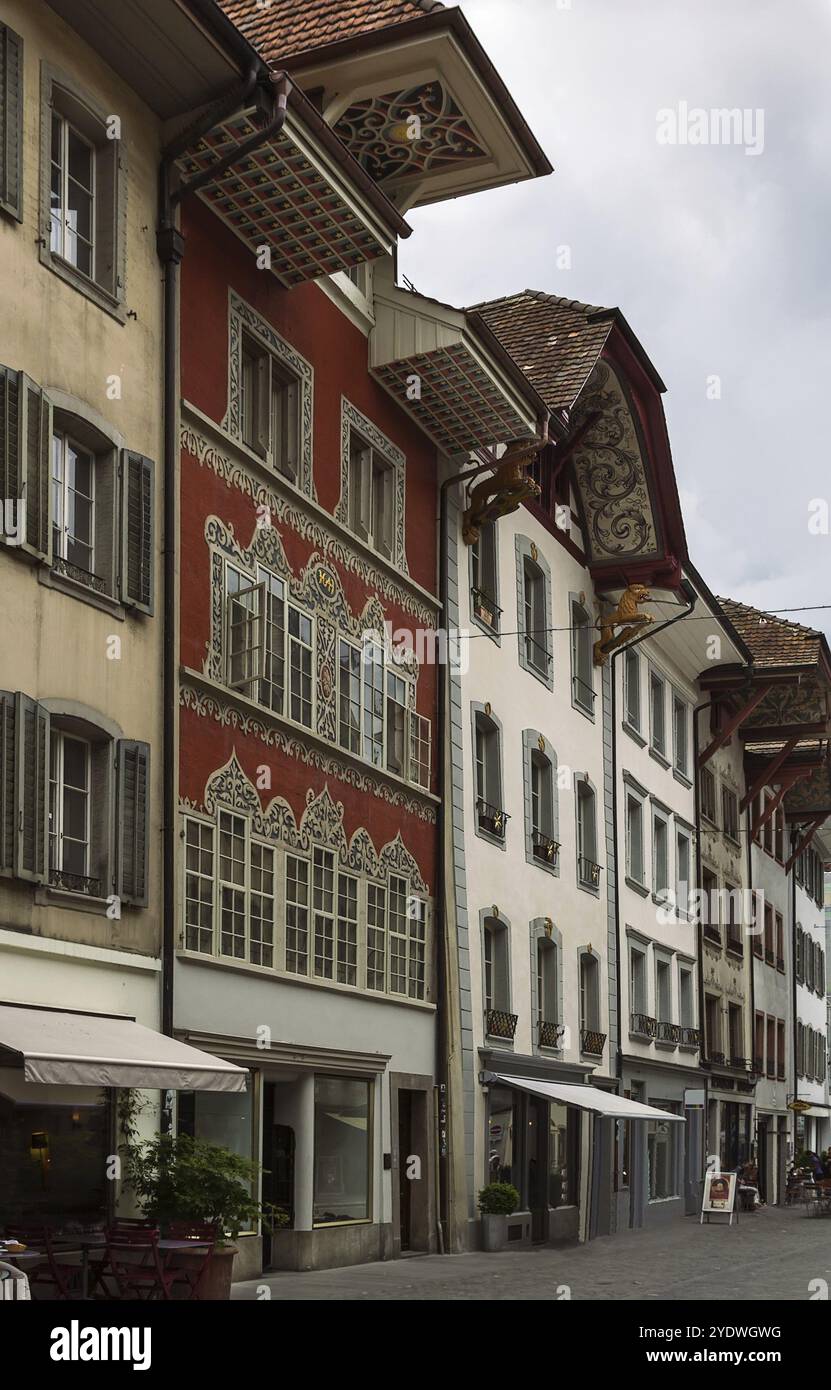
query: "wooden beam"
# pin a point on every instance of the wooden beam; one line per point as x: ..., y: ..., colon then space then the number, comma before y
x: 785, y: 781
x: 732, y: 724
x: 766, y: 776
x: 803, y: 844
x: 773, y: 733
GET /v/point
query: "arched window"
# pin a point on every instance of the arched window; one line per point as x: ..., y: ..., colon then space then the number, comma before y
x: 588, y: 869
x: 499, y: 1021
x: 589, y: 993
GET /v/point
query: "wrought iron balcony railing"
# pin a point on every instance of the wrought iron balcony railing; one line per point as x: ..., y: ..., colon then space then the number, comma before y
x: 544, y: 848
x: 588, y: 872
x: 584, y: 694
x: 736, y: 1061
x: 499, y: 1024
x: 551, y: 1033
x: 75, y: 883
x: 592, y: 1042
x: 691, y: 1037
x: 717, y: 1057
x: 645, y: 1025
x: 669, y: 1032
x: 492, y: 819
x: 486, y: 609
x: 79, y: 575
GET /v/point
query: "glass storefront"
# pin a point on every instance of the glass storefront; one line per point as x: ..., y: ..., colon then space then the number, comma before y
x: 502, y: 1158
x: 53, y: 1153
x: 514, y: 1119
x: 343, y: 1154
x: 661, y: 1153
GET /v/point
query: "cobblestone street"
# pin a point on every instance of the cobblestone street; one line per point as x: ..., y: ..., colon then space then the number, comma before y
x: 772, y: 1254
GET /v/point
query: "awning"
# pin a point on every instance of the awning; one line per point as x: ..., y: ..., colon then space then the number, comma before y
x: 590, y: 1098
x: 76, y: 1049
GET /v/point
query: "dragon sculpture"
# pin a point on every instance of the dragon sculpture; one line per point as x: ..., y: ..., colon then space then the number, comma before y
x: 624, y: 616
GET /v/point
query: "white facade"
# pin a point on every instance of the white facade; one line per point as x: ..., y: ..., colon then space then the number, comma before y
x: 811, y: 1080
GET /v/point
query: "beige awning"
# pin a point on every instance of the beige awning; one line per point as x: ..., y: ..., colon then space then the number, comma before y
x: 77, y: 1049
x: 590, y: 1098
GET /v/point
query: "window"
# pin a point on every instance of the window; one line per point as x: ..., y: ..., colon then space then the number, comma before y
x: 266, y: 639
x: 632, y: 689
x: 343, y: 1150
x: 74, y: 802
x: 769, y: 951
x: 199, y: 886
x: 686, y: 998
x: 711, y: 916
x: 779, y: 829
x: 800, y: 955
x: 780, y: 942
x: 660, y: 854
x: 547, y: 1002
x: 562, y: 1155
x: 589, y: 993
x: 588, y: 870
x: 484, y: 587
x: 375, y: 720
x: 269, y: 408
x: 535, y: 635
x: 736, y: 1028
x: 759, y: 1044
x: 707, y: 786
x: 634, y: 838
x: 503, y: 1131
x: 712, y: 1026
x: 396, y: 941
x: 657, y: 715
x: 543, y: 845
x: 682, y: 870
x: 490, y: 816
x: 297, y: 915
x: 496, y: 975
x: 780, y: 1049
x: 663, y: 990
x: 73, y: 501
x: 771, y: 1052
x: 371, y: 495
x: 735, y: 940
x: 637, y: 982
x: 81, y: 187
x: 11, y: 121
x: 680, y: 735
x: 768, y: 830
x: 582, y: 675
x: 730, y: 813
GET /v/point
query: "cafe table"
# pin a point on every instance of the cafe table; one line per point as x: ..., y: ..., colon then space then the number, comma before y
x: 86, y: 1245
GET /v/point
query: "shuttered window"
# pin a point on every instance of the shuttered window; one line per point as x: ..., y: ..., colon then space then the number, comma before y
x: 133, y: 826
x: 137, y: 531
x: 24, y: 754
x: 11, y: 122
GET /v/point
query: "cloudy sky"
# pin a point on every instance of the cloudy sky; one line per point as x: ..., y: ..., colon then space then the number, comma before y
x: 719, y: 259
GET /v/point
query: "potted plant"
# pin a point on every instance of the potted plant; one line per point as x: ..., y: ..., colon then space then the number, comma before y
x: 179, y: 1179
x: 496, y: 1202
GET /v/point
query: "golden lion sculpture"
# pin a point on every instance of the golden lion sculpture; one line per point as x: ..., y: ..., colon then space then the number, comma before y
x: 502, y: 492
x: 625, y: 616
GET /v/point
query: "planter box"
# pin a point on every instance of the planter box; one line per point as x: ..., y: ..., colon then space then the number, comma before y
x: 494, y: 1232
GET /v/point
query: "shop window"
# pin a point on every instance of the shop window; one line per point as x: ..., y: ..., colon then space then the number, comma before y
x: 54, y: 1152
x: 562, y: 1155
x: 218, y: 1118
x: 503, y: 1132
x: 269, y: 408
x: 342, y: 1150
x: 663, y: 1168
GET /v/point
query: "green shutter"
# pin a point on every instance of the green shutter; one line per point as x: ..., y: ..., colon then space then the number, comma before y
x: 11, y: 482
x: 34, y: 434
x: 11, y: 122
x: 8, y: 798
x: 133, y: 821
x: 137, y: 531
x: 32, y: 789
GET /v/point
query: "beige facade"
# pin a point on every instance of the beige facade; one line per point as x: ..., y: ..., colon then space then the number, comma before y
x: 88, y: 338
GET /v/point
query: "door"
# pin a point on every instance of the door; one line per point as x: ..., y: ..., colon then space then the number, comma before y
x: 405, y: 1183
x: 537, y: 1166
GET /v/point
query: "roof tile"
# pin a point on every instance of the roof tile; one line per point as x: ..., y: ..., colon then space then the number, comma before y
x: 773, y: 641
x: 288, y: 27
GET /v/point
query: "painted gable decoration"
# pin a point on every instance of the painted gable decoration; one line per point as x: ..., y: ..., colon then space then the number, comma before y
x: 320, y: 824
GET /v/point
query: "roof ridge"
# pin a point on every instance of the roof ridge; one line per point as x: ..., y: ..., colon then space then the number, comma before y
x: 546, y: 297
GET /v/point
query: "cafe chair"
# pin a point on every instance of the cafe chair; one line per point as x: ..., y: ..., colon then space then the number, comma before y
x: 189, y: 1268
x: 57, y: 1273
x: 133, y: 1264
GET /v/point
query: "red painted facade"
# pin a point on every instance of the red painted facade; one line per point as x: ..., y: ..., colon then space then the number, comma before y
x: 214, y: 263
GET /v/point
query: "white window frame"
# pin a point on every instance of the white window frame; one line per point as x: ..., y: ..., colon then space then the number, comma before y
x: 61, y: 487
x: 656, y: 678
x: 65, y: 233
x: 57, y: 740
x: 366, y: 464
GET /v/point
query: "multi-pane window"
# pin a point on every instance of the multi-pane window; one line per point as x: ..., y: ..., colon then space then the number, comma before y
x: 490, y: 815
x: 347, y: 950
x: 232, y: 895
x: 267, y: 640
x: 396, y: 722
x: 371, y: 495
x: 69, y: 804
x: 537, y: 654
x: 632, y: 689
x: 349, y: 697
x: 300, y: 666
x: 72, y: 196
x: 244, y: 638
x: 707, y: 786
x: 273, y: 683
x: 199, y: 886
x: 680, y: 738
x: 373, y: 703
x: 323, y: 903
x: 484, y: 577
x: 376, y: 936
x: 398, y: 935
x: 297, y: 915
x: 375, y: 720
x: 730, y: 813
x: 543, y: 845
x: 261, y: 900
x: 73, y: 503
x: 634, y: 838
x: 657, y: 713
x: 269, y: 400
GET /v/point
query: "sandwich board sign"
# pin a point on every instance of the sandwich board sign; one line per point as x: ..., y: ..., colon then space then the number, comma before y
x: 719, y: 1196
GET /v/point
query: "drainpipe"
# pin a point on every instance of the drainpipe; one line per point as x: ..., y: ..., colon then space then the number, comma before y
x: 444, y: 1052
x: 170, y: 246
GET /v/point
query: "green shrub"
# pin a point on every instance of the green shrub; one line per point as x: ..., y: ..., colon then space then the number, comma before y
x: 498, y: 1199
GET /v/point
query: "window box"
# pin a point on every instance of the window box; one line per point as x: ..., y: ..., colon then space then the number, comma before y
x: 500, y: 1024
x: 592, y: 1042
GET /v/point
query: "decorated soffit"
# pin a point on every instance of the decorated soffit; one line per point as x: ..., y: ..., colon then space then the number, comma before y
x: 812, y: 795
x: 408, y: 134
x: 805, y: 701
x: 611, y: 476
x: 287, y: 195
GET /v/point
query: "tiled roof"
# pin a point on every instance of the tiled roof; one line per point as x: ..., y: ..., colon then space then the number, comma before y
x: 552, y: 340
x: 287, y: 27
x: 773, y: 641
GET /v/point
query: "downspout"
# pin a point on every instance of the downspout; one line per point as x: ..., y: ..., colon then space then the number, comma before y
x: 170, y: 246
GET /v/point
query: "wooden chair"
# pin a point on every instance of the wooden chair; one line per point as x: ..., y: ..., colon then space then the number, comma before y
x: 63, y: 1277
x: 133, y: 1262
x: 189, y: 1268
